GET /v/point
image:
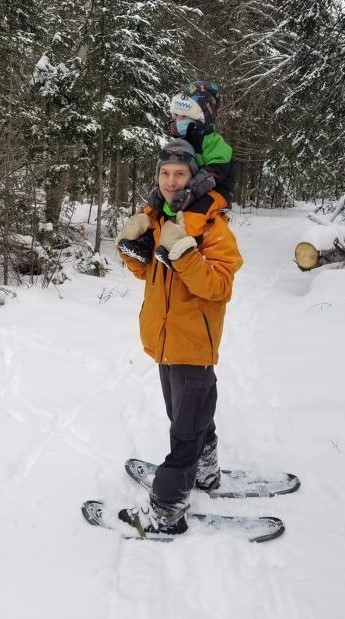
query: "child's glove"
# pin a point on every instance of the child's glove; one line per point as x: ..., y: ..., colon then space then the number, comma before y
x: 175, y: 239
x: 195, y: 135
x: 181, y: 200
x: 200, y: 184
x: 134, y: 227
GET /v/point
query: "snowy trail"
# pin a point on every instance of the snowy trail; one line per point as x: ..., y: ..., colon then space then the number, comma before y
x: 78, y: 397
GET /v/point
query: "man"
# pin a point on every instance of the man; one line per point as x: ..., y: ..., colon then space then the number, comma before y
x: 188, y: 283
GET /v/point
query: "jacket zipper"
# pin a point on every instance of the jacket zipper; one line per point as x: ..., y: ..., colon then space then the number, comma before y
x: 208, y: 330
x: 167, y: 309
x: 154, y: 271
x: 156, y: 261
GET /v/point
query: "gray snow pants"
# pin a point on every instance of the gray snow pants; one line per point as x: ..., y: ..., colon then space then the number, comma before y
x: 190, y: 395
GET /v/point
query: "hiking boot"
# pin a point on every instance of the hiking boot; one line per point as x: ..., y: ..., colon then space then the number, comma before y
x: 210, y: 483
x: 208, y: 472
x: 148, y: 520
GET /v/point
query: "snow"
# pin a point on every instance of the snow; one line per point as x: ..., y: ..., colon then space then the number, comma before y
x: 44, y: 64
x: 57, y: 38
x: 78, y: 397
x: 46, y: 227
x: 323, y: 236
x: 109, y: 103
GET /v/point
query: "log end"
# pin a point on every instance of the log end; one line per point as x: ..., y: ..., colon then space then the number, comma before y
x: 307, y: 256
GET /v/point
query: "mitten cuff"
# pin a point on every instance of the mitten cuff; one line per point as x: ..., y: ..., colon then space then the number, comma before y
x: 181, y: 246
x: 162, y: 255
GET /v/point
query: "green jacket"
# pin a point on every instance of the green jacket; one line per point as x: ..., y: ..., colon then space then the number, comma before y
x: 214, y: 150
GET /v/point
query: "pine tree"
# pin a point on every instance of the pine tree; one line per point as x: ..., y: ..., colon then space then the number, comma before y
x: 131, y: 61
x: 284, y: 92
x: 17, y: 41
x: 314, y: 106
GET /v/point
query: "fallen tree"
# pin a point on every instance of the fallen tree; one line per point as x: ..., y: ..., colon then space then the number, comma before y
x: 324, y: 243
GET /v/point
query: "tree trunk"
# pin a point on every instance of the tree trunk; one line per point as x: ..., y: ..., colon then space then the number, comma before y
x: 273, y: 196
x: 253, y: 175
x: 8, y: 201
x: 100, y: 186
x: 54, y: 198
x: 258, y: 186
x: 8, y: 184
x: 244, y: 185
x: 100, y: 190
x: 238, y: 188
x: 112, y: 180
x: 134, y: 186
x: 122, y: 181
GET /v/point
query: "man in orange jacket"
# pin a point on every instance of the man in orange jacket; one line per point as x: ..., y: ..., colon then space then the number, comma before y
x: 188, y: 283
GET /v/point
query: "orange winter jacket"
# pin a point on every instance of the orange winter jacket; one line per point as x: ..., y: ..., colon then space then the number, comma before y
x: 181, y: 319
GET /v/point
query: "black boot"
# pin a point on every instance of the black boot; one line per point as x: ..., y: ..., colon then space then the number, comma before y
x: 208, y: 472
x: 150, y: 519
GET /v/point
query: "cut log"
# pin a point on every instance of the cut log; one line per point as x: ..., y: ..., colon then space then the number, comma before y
x: 307, y: 256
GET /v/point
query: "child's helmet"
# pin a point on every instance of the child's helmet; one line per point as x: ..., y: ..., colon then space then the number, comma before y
x: 204, y: 100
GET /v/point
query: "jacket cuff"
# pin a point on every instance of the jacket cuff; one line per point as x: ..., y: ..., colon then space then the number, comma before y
x: 181, y: 246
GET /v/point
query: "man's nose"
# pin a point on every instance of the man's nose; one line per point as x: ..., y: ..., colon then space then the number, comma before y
x: 172, y: 180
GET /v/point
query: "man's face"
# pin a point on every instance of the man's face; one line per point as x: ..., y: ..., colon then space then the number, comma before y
x: 173, y: 177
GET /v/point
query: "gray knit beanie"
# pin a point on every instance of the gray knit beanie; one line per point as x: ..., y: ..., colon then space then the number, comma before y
x: 178, y: 151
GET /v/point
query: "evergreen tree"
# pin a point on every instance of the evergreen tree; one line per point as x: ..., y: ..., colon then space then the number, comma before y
x: 313, y: 110
x: 284, y: 92
x: 18, y: 30
x: 131, y: 62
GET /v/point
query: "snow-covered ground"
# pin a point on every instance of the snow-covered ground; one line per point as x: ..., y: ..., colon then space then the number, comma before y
x: 78, y: 397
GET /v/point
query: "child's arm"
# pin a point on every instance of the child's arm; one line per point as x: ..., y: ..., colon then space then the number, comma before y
x: 215, y: 157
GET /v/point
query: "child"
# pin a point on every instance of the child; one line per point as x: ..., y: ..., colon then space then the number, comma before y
x: 194, y: 109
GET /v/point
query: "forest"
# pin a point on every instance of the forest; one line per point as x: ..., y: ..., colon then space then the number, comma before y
x: 84, y: 105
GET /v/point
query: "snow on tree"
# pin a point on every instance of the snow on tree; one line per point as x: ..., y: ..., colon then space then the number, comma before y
x: 282, y: 71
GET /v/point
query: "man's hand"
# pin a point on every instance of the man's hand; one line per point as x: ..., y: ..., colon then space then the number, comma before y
x: 175, y: 239
x: 134, y: 227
